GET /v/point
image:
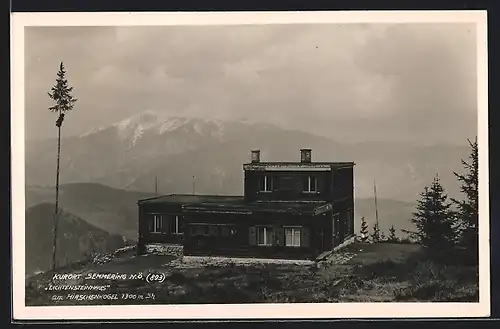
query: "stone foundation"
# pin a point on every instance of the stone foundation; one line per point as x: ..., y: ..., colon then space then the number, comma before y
x: 327, y: 254
x: 201, y: 261
x: 164, y: 249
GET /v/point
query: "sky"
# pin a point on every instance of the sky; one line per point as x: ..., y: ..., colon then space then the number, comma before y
x: 351, y: 82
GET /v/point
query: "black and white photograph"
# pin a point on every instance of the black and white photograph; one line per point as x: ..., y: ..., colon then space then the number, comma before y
x: 250, y: 164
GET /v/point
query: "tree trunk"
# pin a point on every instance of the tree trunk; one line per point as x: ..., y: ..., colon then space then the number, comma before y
x: 56, y: 213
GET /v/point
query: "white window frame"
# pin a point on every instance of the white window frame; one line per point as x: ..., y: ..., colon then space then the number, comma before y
x: 266, y: 178
x: 309, y: 185
x: 156, y: 227
x: 176, y: 225
x: 293, y: 230
x: 266, y: 243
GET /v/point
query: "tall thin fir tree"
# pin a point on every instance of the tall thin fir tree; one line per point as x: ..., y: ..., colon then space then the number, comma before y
x: 363, y: 230
x: 434, y: 220
x: 468, y: 208
x: 61, y: 94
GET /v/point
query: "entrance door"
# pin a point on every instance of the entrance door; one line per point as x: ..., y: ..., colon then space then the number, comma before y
x: 336, y: 230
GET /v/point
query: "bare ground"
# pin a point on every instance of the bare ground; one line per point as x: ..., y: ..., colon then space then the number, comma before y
x: 358, y: 273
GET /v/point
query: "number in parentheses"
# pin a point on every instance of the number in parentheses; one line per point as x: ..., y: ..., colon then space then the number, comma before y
x: 155, y: 277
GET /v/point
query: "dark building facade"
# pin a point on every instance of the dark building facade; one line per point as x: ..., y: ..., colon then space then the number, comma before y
x: 289, y: 210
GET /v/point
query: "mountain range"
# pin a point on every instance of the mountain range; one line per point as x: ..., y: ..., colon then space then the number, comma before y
x: 207, y: 155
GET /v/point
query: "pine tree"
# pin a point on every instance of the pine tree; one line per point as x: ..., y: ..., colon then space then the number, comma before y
x: 363, y: 232
x: 375, y: 234
x: 434, y: 219
x: 468, y: 209
x: 61, y: 95
x: 392, y: 234
x: 382, y: 237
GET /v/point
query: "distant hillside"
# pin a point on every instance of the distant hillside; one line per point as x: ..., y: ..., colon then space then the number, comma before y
x: 76, y: 238
x: 130, y: 153
x: 390, y: 212
x: 109, y: 209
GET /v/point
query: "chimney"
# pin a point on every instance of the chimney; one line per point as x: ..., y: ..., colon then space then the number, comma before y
x: 305, y: 155
x: 255, y: 156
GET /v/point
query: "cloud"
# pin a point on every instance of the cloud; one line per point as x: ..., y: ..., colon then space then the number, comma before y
x: 432, y: 69
x: 349, y: 81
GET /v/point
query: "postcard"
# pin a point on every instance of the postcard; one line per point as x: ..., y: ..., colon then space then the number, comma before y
x: 250, y: 165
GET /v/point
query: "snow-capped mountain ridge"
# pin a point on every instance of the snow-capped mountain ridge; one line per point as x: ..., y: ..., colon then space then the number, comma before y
x: 133, y: 128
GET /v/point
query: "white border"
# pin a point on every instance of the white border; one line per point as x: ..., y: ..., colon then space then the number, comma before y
x: 251, y: 311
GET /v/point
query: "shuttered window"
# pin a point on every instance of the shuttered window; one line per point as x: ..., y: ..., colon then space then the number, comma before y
x: 174, y: 225
x: 156, y: 223
x: 309, y: 184
x: 252, y: 236
x: 304, y: 237
x: 264, y: 236
x: 266, y: 184
x: 280, y: 236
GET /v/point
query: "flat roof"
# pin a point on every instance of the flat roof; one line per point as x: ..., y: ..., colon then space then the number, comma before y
x: 237, y: 204
x: 280, y: 165
x: 190, y: 198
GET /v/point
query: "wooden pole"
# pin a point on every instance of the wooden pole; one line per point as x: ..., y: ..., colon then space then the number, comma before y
x: 376, y: 205
x: 193, y: 184
x: 156, y: 185
x: 56, y: 212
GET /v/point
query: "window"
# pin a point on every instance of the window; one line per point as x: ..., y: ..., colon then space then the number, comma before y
x: 213, y: 230
x: 264, y: 236
x: 309, y: 184
x: 292, y: 237
x: 266, y: 184
x: 174, y: 225
x: 156, y: 224
x: 198, y: 229
x: 227, y: 230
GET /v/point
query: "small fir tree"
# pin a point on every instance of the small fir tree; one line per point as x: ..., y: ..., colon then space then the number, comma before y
x: 363, y: 232
x: 375, y: 233
x: 433, y: 218
x: 382, y: 237
x: 468, y: 209
x: 392, y: 234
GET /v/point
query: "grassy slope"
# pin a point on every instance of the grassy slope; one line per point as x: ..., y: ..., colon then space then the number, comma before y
x: 76, y: 238
x: 379, y: 273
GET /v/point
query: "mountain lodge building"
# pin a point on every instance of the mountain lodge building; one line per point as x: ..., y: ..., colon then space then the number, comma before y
x: 289, y: 210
